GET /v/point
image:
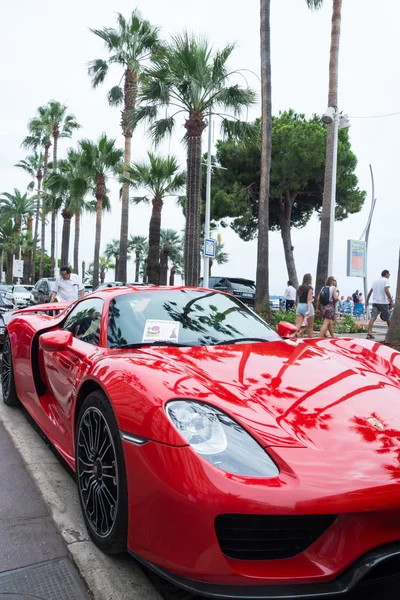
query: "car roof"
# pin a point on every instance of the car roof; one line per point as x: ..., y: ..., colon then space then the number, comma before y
x: 128, y: 289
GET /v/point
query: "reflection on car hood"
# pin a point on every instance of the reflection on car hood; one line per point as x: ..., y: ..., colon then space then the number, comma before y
x: 321, y: 394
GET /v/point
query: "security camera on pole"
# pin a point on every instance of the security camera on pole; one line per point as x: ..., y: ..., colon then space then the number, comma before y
x: 341, y: 121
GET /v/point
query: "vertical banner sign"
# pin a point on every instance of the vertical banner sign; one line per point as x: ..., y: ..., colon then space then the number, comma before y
x: 356, y: 258
x: 18, y: 268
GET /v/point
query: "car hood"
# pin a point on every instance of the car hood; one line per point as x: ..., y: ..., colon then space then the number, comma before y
x: 321, y: 394
x: 22, y: 295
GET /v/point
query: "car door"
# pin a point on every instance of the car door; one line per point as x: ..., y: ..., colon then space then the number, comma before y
x: 65, y: 369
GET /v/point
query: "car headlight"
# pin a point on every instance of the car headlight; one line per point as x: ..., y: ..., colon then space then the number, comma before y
x: 220, y: 440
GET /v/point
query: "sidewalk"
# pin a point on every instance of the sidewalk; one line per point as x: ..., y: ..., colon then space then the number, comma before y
x: 33, y: 557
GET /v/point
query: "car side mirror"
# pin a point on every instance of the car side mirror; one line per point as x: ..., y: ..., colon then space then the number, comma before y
x: 286, y: 329
x: 55, y: 341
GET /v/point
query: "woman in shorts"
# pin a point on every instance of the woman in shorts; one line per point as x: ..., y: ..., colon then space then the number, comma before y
x: 328, y: 310
x: 304, y: 308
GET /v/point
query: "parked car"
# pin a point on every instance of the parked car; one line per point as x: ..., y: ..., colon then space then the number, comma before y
x: 228, y: 460
x: 43, y: 289
x: 244, y: 289
x: 20, y: 295
x: 6, y: 307
x: 4, y: 288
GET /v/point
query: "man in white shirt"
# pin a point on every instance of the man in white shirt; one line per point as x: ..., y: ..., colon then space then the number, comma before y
x: 381, y: 298
x: 290, y: 295
x: 68, y: 287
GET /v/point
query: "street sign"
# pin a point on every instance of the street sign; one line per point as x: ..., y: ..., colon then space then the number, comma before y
x: 356, y: 258
x: 18, y: 268
x: 209, y: 248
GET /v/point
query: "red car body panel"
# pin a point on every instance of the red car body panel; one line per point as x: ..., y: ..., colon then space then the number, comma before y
x: 327, y: 411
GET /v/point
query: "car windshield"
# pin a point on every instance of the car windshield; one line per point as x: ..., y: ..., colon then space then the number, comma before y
x: 20, y: 289
x: 183, y: 317
x: 242, y: 286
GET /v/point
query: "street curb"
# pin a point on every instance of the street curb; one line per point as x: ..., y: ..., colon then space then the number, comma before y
x: 108, y: 578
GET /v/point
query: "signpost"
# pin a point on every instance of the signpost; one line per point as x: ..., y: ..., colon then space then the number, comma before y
x: 18, y: 268
x: 209, y: 248
x: 356, y: 258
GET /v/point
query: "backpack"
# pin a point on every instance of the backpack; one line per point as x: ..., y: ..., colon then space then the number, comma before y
x: 324, y: 296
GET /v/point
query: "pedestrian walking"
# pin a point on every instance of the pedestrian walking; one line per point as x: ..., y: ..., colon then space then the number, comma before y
x: 68, y: 287
x: 289, y: 296
x: 327, y: 299
x: 381, y: 301
x: 304, y: 309
x: 356, y: 297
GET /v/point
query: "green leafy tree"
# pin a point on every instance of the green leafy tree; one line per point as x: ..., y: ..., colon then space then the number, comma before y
x: 192, y: 79
x: 130, y: 46
x: 160, y: 177
x: 296, y: 180
x: 99, y: 161
x: 323, y: 252
x: 138, y: 245
x: 33, y: 165
x: 170, y: 248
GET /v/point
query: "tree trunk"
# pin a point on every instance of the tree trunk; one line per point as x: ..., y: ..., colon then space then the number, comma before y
x: 164, y: 265
x: 39, y: 177
x: 42, y: 242
x: 284, y: 217
x: 153, y: 264
x: 10, y: 261
x: 393, y: 334
x: 323, y: 252
x: 172, y: 275
x: 210, y: 264
x: 1, y: 265
x: 130, y: 93
x: 66, y: 232
x: 137, y: 266
x: 262, y: 277
x: 25, y: 272
x: 102, y: 276
x: 100, y: 194
x: 116, y: 268
x: 76, y: 241
x: 194, y: 125
x: 53, y: 210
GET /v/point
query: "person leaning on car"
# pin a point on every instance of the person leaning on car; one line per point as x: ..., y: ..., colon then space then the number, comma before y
x: 68, y: 286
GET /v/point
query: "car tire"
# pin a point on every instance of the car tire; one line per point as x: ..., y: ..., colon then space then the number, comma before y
x: 10, y: 397
x: 101, y: 474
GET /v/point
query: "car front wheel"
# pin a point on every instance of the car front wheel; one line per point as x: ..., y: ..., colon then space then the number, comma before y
x: 101, y: 476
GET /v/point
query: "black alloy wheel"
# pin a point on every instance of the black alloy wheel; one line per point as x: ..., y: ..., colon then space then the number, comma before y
x: 100, y: 472
x: 10, y: 397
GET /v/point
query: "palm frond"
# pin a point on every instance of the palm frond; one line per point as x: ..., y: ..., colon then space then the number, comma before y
x: 115, y: 96
x: 161, y: 128
x: 240, y: 131
x: 98, y: 70
x: 236, y: 98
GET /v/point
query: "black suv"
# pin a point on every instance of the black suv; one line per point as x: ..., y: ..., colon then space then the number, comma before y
x: 244, y: 289
x: 43, y: 289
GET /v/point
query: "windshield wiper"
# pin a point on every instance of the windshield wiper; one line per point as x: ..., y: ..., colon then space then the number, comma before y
x: 155, y: 343
x: 240, y: 340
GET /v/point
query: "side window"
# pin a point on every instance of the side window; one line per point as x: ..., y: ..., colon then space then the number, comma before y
x: 84, y: 321
x: 220, y: 284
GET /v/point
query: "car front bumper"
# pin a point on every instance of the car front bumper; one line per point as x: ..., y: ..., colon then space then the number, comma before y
x: 175, y: 498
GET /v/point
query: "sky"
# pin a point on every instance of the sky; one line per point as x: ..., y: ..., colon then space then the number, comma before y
x: 44, y: 53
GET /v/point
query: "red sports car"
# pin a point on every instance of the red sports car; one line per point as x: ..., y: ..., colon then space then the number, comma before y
x: 228, y: 460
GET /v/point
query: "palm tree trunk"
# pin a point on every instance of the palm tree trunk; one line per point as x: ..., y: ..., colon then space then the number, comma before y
x: 137, y: 266
x: 164, y: 265
x: 42, y: 243
x: 172, y: 275
x: 210, y: 264
x: 393, y: 334
x: 1, y: 265
x: 323, y: 252
x: 262, y: 277
x: 10, y: 260
x: 66, y: 231
x: 194, y: 125
x: 53, y: 211
x: 100, y: 194
x: 130, y: 93
x: 153, y: 265
x: 76, y: 241
x: 39, y: 177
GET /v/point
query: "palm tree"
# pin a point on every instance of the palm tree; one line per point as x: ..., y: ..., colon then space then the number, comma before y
x: 323, y: 252
x: 194, y: 80
x: 138, y: 245
x: 33, y: 165
x: 16, y: 206
x: 99, y: 161
x: 221, y: 257
x: 262, y: 276
x: 171, y: 248
x: 61, y: 125
x: 130, y: 46
x: 8, y: 241
x: 160, y: 177
x: 112, y: 251
x: 71, y: 184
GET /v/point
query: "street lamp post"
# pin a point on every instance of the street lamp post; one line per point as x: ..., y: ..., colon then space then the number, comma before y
x: 340, y: 121
x: 208, y: 202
